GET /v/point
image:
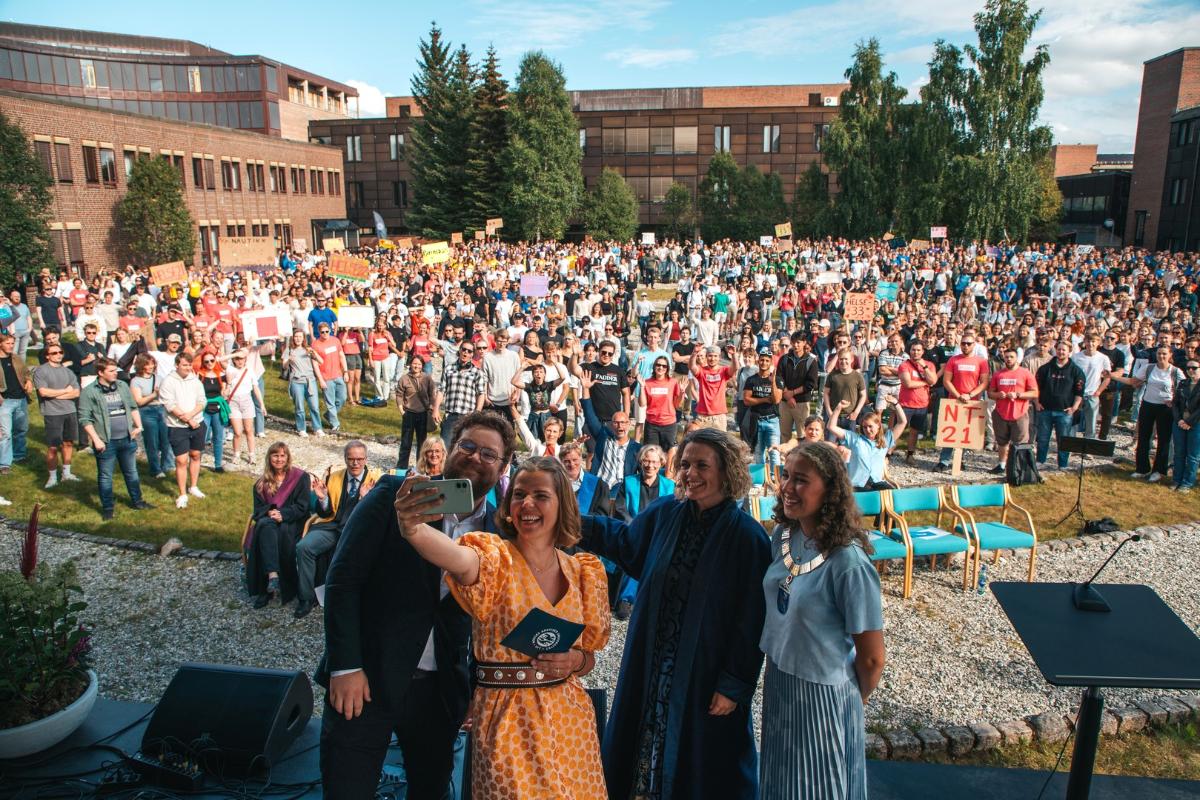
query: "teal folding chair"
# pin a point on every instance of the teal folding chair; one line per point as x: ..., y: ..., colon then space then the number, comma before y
x: 872, y: 504
x: 765, y: 508
x: 758, y: 474
x: 995, y: 536
x: 928, y: 540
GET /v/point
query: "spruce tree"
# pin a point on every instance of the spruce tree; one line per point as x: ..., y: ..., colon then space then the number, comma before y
x: 541, y: 166
x: 489, y: 140
x: 610, y: 209
x: 431, y: 182
x: 24, y: 206
x: 154, y: 221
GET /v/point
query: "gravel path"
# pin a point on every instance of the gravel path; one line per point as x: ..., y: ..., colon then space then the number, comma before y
x: 952, y: 658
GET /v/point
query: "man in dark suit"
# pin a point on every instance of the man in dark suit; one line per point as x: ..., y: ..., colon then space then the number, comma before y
x: 396, y: 642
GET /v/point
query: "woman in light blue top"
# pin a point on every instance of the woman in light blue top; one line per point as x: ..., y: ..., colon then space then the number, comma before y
x: 869, y: 445
x: 823, y: 634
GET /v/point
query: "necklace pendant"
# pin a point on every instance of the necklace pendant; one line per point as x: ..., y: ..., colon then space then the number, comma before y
x: 783, y: 598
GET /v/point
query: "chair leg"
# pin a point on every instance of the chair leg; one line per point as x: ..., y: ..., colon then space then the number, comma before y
x: 1032, y: 558
x: 995, y: 557
x: 908, y: 570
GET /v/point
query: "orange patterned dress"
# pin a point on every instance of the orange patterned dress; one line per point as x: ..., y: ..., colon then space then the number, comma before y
x: 537, y: 742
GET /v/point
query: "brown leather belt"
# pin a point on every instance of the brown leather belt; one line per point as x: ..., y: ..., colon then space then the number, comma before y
x: 512, y: 676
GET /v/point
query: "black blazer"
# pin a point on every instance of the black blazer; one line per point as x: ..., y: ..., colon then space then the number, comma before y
x: 381, y: 601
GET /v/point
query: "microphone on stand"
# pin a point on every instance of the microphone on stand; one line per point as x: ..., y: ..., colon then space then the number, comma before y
x: 1086, y: 598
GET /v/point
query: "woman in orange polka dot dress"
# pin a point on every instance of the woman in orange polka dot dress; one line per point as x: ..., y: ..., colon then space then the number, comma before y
x: 534, y: 737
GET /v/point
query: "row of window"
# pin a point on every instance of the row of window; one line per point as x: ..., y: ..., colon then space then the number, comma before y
x: 356, y: 195
x: 94, y: 73
x: 209, y: 237
x: 354, y: 146
x: 100, y: 168
x: 682, y: 140
x: 241, y: 114
x: 654, y: 189
x: 1185, y: 132
x: 315, y: 99
x: 1097, y: 202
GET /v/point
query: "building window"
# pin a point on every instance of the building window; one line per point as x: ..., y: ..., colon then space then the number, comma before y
x: 75, y: 247
x: 395, y: 146
x: 320, y: 173
x: 658, y: 189
x: 1179, y: 191
x: 283, y: 235
x: 91, y: 164
x: 354, y: 148
x: 661, y: 141
x: 130, y: 160
x: 819, y: 134
x: 685, y: 140
x: 193, y: 79
x: 235, y: 230
x: 613, y: 141
x: 62, y: 154
x: 637, y: 140
x: 770, y: 139
x: 88, y: 73
x: 229, y: 179
x: 210, y: 245
x: 58, y: 238
x: 335, y: 183
x: 42, y: 149
x: 198, y: 172
x: 354, y: 194
x: 108, y: 166
x: 1139, y: 227
x: 583, y: 140
x: 400, y: 194
x: 722, y: 139
x: 296, y: 187
x: 278, y: 185
x: 252, y: 181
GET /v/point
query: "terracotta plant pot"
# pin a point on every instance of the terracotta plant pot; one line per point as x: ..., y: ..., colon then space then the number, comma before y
x: 42, y: 734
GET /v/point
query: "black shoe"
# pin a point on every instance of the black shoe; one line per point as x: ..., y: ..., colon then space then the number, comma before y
x: 303, y: 608
x: 107, y: 514
x: 623, y: 610
x: 260, y: 601
x: 142, y: 505
x: 997, y: 470
x: 941, y: 468
x: 218, y: 470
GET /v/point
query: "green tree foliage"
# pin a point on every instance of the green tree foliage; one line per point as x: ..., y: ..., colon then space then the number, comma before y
x: 431, y: 138
x: 739, y: 203
x: 489, y: 140
x: 812, y: 209
x: 24, y: 206
x: 865, y: 145
x: 610, y: 209
x: 541, y: 166
x: 679, y: 212
x: 1048, y: 212
x: 154, y: 222
x: 718, y: 192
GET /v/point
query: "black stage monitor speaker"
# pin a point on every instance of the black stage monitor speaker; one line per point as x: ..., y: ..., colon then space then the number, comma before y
x: 229, y: 720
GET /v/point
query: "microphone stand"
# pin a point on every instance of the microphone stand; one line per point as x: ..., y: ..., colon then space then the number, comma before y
x: 1085, y: 597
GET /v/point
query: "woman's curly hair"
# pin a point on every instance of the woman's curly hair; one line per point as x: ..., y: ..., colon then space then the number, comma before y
x: 839, y: 518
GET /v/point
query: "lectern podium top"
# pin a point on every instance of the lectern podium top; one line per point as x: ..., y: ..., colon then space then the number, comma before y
x: 1141, y: 643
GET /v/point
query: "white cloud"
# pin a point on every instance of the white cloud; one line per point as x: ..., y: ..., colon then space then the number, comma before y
x: 370, y: 99
x: 650, y: 59
x: 524, y: 25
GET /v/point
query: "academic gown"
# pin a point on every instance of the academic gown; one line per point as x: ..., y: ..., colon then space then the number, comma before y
x: 704, y: 756
x: 294, y: 512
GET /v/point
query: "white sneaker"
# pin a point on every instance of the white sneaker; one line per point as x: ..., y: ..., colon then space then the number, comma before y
x: 302, y: 433
x: 320, y: 433
x: 52, y: 482
x: 249, y: 457
x: 181, y: 501
x: 159, y: 476
x: 261, y: 434
x: 71, y: 477
x: 195, y: 492
x: 1154, y: 477
x: 5, y: 502
x: 1139, y: 474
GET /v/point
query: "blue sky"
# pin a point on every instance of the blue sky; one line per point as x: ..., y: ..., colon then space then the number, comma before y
x: 1097, y: 46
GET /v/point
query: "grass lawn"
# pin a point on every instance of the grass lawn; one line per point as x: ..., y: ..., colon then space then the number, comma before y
x: 214, y: 523
x: 366, y: 422
x: 1170, y: 752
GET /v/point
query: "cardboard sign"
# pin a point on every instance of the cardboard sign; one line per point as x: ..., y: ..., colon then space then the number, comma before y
x: 349, y: 267
x: 648, y: 237
x: 334, y: 245
x: 784, y: 244
x: 168, y: 274
x: 480, y: 236
x: 494, y: 224
x: 828, y: 278
x: 356, y: 317
x: 456, y: 238
x: 260, y: 325
x: 765, y: 241
x: 860, y: 306
x: 247, y: 251
x: 404, y: 244
x: 435, y: 253
x: 926, y: 274
x: 783, y: 229
x: 300, y: 245
x: 919, y: 244
x: 887, y: 290
x: 961, y: 424
x: 937, y: 232
x: 535, y: 285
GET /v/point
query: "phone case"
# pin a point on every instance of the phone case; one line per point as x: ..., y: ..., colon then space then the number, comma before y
x: 457, y: 494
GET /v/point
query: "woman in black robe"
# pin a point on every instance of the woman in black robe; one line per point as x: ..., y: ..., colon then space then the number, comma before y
x: 680, y: 724
x: 281, y: 506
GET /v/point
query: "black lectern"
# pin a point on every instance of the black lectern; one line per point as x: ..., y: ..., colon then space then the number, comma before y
x: 1140, y: 643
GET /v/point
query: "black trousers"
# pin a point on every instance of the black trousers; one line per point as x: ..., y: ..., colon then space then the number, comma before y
x: 413, y: 424
x: 1155, y: 420
x: 353, y: 751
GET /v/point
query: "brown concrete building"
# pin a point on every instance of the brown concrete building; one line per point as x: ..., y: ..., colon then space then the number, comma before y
x: 1170, y: 84
x: 236, y: 183
x: 169, y: 78
x: 653, y: 137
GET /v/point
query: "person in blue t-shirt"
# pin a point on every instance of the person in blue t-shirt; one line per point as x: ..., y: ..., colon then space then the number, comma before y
x: 869, y: 445
x: 321, y: 314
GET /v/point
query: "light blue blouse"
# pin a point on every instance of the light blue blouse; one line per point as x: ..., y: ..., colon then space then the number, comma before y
x: 867, y: 460
x: 828, y: 605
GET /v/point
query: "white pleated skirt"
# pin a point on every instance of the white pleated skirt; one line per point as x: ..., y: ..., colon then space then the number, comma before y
x: 813, y: 745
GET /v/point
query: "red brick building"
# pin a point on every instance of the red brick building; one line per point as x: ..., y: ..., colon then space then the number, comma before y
x: 1170, y: 84
x: 236, y: 183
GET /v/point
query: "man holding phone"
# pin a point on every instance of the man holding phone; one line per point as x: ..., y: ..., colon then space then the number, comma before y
x: 396, y: 642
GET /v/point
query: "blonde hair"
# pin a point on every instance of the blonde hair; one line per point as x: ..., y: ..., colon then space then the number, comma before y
x: 569, y: 524
x: 269, y: 483
x: 427, y: 445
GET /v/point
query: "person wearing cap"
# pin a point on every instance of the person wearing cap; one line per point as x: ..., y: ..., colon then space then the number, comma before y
x: 761, y: 396
x: 321, y: 315
x: 241, y: 392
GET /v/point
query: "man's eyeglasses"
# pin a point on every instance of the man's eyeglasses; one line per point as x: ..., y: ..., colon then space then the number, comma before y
x: 609, y: 353
x: 466, y: 351
x: 54, y: 352
x: 486, y: 455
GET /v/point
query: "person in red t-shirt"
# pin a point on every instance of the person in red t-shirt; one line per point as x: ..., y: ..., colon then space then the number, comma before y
x: 965, y: 378
x: 1012, y: 388
x: 223, y: 313
x: 917, y: 377
x: 131, y: 322
x: 77, y: 297
x: 712, y: 376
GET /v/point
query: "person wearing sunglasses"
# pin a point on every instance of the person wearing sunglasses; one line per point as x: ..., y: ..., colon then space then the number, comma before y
x: 463, y: 390
x: 1186, y: 437
x: 57, y: 390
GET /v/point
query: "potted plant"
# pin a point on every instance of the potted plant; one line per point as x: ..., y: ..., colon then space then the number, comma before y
x: 46, y: 687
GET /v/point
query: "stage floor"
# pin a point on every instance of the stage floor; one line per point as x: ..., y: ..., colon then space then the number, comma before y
x: 297, y: 774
